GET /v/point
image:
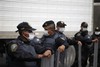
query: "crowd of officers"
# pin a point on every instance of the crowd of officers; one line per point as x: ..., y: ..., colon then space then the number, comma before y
x: 27, y: 50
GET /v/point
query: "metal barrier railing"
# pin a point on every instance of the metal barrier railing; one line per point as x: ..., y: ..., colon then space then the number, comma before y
x: 95, y: 60
x: 47, y: 62
x: 95, y: 57
x: 69, y: 58
x: 79, y: 55
x: 57, y: 59
x: 54, y: 60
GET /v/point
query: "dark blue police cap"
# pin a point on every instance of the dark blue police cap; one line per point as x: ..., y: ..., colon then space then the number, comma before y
x: 61, y: 24
x: 84, y: 24
x: 48, y: 23
x: 24, y: 26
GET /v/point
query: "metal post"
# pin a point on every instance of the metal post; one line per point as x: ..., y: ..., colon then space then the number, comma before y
x: 47, y: 62
x: 70, y: 55
x: 58, y: 58
x: 95, y: 54
x: 79, y: 55
x: 67, y: 62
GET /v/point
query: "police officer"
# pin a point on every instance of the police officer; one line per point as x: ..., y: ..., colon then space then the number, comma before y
x: 22, y: 51
x: 61, y: 28
x: 95, y: 37
x: 54, y: 39
x: 85, y: 39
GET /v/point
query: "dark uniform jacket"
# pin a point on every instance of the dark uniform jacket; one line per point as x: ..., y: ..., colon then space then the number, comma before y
x: 86, y: 41
x: 23, y: 54
x: 54, y: 41
x: 94, y: 37
x: 83, y: 37
x: 70, y: 41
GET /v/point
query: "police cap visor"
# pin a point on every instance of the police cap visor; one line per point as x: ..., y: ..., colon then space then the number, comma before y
x: 24, y: 26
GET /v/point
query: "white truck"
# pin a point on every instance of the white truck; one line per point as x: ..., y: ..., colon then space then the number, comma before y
x: 36, y: 12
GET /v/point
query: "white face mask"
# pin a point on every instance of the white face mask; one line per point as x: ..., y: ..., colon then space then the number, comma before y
x: 97, y: 33
x: 31, y: 36
x: 46, y: 32
x: 84, y: 29
x: 61, y: 29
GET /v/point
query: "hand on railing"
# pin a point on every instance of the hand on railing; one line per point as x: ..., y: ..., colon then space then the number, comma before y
x: 47, y: 53
x: 95, y: 40
x: 61, y: 48
x: 79, y: 43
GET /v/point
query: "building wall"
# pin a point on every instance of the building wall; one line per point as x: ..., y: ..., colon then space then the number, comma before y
x: 36, y: 12
x: 96, y: 16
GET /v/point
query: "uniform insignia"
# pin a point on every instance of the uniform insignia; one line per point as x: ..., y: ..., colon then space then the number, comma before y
x: 62, y: 38
x: 89, y: 37
x: 14, y: 47
x: 78, y: 34
x: 38, y: 39
x: 62, y: 22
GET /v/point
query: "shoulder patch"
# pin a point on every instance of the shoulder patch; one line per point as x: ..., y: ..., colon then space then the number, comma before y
x: 78, y: 34
x: 89, y: 37
x: 62, y: 38
x: 14, y: 47
x: 38, y: 39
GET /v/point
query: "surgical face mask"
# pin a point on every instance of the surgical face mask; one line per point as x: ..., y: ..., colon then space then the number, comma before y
x: 97, y: 33
x: 46, y: 33
x: 61, y: 29
x: 84, y: 29
x: 31, y: 36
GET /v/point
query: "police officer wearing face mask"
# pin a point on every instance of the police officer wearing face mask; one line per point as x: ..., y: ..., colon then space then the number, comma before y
x: 61, y: 28
x: 22, y: 51
x: 95, y: 37
x: 52, y: 38
x: 85, y: 39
